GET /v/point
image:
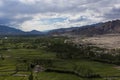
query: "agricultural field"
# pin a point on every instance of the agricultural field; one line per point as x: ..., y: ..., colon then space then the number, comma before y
x: 44, y: 59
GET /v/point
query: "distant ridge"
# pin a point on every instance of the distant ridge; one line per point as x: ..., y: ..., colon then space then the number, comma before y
x: 6, y: 30
x: 110, y: 27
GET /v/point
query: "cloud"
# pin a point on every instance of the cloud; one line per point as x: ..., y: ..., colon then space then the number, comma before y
x: 114, y: 13
x: 52, y: 14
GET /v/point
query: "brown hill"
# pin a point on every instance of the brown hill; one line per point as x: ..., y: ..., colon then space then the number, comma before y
x: 109, y: 27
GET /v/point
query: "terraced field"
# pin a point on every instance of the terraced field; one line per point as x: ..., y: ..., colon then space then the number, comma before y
x: 8, y: 67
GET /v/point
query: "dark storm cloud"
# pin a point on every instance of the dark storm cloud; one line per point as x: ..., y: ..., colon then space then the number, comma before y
x: 113, y: 14
x: 12, y: 8
x: 16, y: 7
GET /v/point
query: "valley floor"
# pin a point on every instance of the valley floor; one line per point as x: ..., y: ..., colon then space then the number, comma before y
x: 8, y: 67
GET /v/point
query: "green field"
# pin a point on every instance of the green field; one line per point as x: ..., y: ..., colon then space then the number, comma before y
x: 7, y: 66
x: 16, y: 62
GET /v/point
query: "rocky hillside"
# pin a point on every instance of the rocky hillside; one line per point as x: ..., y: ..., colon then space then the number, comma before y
x: 109, y: 27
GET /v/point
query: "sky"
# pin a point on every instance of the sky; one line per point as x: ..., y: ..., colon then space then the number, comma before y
x: 45, y: 15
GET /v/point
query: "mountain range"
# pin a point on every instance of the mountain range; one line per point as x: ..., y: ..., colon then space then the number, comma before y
x: 110, y: 27
x: 5, y: 30
x: 88, y: 30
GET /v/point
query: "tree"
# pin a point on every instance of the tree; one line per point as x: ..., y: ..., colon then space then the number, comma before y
x: 30, y: 76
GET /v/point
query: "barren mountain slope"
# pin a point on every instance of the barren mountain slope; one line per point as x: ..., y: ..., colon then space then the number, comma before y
x: 105, y: 41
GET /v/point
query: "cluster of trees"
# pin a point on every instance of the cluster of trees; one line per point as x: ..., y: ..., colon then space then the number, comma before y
x: 26, y: 64
x: 62, y: 50
x: 29, y: 43
x: 71, y: 51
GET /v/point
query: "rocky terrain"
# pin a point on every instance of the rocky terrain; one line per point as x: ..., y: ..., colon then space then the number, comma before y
x: 110, y: 27
x: 109, y: 41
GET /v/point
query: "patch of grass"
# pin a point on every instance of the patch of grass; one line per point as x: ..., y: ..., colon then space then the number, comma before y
x: 12, y: 55
x: 101, y: 68
x: 56, y: 76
